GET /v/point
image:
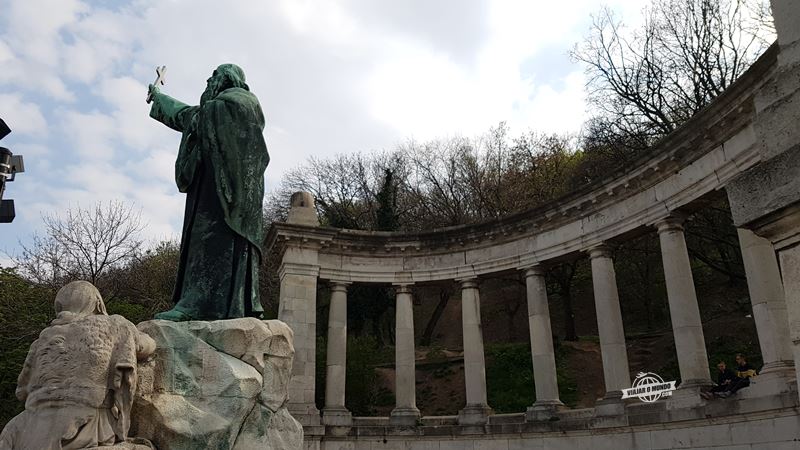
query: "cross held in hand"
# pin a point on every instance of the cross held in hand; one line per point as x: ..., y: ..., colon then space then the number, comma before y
x: 161, y: 73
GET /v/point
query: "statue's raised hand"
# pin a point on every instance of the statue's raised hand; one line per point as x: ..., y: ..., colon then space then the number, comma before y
x: 152, y: 89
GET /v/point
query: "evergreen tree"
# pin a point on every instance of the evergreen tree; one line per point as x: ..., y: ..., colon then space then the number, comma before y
x: 386, y: 215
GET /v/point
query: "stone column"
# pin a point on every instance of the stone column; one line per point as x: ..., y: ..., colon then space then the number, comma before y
x: 405, y: 411
x: 334, y: 412
x: 298, y: 308
x: 769, y: 305
x: 790, y: 268
x: 477, y: 410
x: 683, y: 310
x: 542, y: 354
x: 609, y: 322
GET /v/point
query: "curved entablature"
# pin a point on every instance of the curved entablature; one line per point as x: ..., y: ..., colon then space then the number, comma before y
x: 702, y: 156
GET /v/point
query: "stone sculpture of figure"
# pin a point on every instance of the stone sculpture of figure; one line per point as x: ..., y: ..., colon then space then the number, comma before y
x: 79, y: 377
x: 220, y: 166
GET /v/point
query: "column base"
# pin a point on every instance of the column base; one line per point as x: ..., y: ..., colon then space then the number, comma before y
x: 777, y: 366
x: 695, y: 383
x: 404, y: 416
x: 687, y: 395
x: 305, y: 413
x: 771, y: 382
x: 610, y: 405
x: 337, y: 416
x: 543, y: 410
x: 474, y: 415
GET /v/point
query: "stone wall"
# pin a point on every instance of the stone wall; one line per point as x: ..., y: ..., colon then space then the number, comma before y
x: 775, y: 430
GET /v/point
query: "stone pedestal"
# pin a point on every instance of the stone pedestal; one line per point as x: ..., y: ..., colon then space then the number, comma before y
x: 474, y: 415
x: 337, y: 416
x: 221, y: 384
x: 543, y: 410
x: 298, y: 309
x: 611, y: 405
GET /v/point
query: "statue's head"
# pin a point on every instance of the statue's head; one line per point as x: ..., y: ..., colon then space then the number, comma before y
x: 78, y: 299
x: 225, y: 76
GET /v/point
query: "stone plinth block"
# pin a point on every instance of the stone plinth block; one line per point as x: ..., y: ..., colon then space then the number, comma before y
x: 220, y: 385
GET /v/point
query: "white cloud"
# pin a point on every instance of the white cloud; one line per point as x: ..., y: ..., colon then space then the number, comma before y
x: 91, y: 134
x: 6, y: 55
x: 33, y: 26
x: 554, y: 110
x: 132, y: 123
x: 22, y: 117
x: 333, y: 76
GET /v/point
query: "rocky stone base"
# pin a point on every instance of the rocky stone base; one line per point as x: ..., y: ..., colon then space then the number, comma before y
x: 217, y: 385
x: 130, y: 444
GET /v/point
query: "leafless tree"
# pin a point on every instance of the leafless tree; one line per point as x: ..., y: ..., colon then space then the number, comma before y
x: 439, y: 183
x: 82, y: 244
x: 147, y: 278
x: 345, y: 187
x: 644, y: 83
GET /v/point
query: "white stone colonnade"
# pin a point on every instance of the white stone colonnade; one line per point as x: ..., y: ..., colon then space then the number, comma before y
x: 746, y: 143
x: 300, y: 271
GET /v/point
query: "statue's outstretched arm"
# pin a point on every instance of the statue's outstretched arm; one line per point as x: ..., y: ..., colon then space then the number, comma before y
x: 171, y: 112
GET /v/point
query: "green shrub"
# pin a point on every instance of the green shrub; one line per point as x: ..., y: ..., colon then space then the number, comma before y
x: 25, y: 310
x: 132, y: 311
x: 436, y: 354
x: 509, y: 377
x: 567, y: 387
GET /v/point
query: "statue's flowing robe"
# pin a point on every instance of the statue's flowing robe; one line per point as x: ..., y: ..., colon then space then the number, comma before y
x: 78, y: 384
x: 220, y: 167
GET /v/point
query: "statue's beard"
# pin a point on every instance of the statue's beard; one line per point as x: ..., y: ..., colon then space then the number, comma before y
x: 214, y: 88
x: 210, y: 92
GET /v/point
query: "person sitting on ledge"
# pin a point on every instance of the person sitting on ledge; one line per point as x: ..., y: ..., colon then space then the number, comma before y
x: 744, y: 372
x: 725, y: 377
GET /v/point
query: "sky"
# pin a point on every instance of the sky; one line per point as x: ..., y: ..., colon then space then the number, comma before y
x: 333, y: 76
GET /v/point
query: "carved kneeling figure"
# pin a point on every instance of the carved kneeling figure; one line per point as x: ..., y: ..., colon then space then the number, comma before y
x: 79, y: 378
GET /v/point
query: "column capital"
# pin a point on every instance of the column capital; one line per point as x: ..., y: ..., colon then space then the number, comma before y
x: 536, y: 270
x: 673, y: 222
x: 468, y: 283
x: 601, y: 250
x: 403, y: 288
x: 339, y: 285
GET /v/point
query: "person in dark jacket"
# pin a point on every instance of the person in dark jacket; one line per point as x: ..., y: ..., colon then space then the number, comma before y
x: 744, y: 372
x: 725, y: 377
